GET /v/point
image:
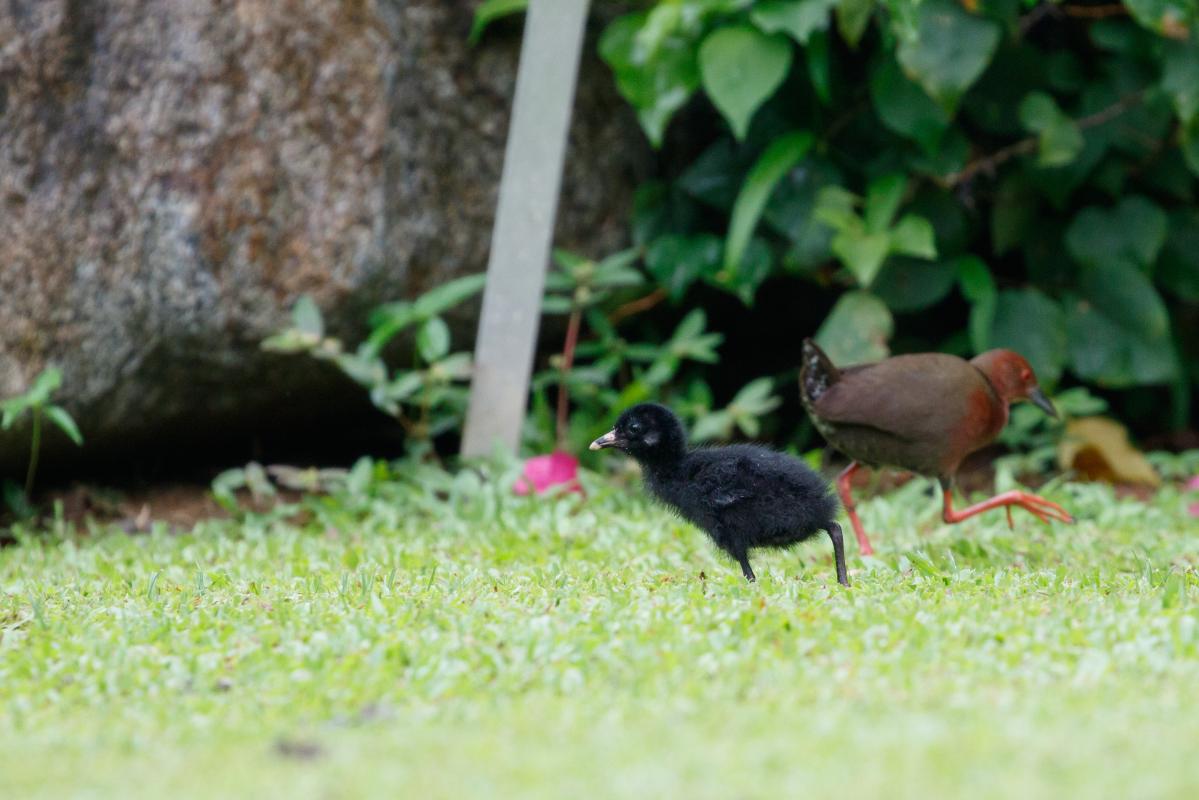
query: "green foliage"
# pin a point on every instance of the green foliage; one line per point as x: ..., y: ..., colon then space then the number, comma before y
x: 491, y: 10
x: 428, y: 399
x: 601, y: 371
x: 916, y: 145
x: 418, y: 629
x: 740, y: 68
x: 782, y: 154
x: 35, y: 403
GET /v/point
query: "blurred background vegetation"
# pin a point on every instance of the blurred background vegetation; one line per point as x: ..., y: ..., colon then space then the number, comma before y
x: 897, y: 176
x: 889, y: 177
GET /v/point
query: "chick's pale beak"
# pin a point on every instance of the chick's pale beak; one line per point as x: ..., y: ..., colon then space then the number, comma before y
x: 1039, y: 400
x: 607, y: 440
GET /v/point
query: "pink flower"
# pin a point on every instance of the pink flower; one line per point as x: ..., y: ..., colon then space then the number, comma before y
x: 544, y: 472
x: 1193, y: 509
x: 1193, y: 484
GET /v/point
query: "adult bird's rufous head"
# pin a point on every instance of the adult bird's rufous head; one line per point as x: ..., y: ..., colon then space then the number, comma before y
x: 1012, y: 378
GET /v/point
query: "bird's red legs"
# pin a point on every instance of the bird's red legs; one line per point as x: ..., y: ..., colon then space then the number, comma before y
x: 843, y: 488
x: 1039, y: 507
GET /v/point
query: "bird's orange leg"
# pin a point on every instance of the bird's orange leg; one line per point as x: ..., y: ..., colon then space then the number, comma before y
x: 1039, y: 507
x: 843, y: 488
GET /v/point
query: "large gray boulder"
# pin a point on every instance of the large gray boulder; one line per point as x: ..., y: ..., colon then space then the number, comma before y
x: 174, y: 173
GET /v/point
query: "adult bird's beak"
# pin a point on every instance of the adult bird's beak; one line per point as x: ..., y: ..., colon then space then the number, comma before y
x: 1039, y: 400
x: 607, y: 440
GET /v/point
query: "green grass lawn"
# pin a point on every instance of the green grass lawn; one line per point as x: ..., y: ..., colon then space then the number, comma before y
x: 406, y: 642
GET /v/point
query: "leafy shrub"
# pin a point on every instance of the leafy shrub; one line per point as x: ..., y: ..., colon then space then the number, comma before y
x: 35, y: 403
x: 600, y: 371
x: 429, y: 398
x: 1033, y: 160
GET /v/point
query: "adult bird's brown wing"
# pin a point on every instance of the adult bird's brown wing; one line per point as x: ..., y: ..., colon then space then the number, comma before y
x: 936, y: 404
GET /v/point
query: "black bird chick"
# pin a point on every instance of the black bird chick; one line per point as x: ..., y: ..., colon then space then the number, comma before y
x: 743, y: 496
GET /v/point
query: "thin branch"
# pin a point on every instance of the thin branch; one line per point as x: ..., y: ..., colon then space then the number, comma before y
x: 989, y: 164
x: 1096, y: 12
x: 568, y: 361
x: 1030, y: 20
x: 637, y: 306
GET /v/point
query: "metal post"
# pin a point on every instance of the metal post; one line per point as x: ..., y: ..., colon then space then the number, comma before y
x: 524, y: 224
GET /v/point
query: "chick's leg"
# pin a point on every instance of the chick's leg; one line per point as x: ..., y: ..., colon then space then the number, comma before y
x: 834, y: 533
x: 746, y: 570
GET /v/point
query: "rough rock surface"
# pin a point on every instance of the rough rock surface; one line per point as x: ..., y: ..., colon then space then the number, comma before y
x: 174, y: 173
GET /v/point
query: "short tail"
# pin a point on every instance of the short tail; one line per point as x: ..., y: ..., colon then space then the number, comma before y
x: 834, y: 533
x: 816, y: 373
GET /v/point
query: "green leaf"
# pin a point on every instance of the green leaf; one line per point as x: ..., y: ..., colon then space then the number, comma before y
x: 913, y: 236
x: 657, y: 81
x: 491, y: 10
x: 442, y: 298
x: 1012, y: 213
x: 568, y: 261
x: 1178, y: 268
x: 1125, y: 295
x: 882, y: 201
x: 1034, y: 326
x: 618, y: 262
x: 433, y: 341
x: 1107, y: 353
x: 457, y: 367
x: 791, y: 211
x: 16, y: 500
x: 820, y: 66
x: 782, y: 154
x: 1190, y: 145
x: 949, y: 51
x: 863, y: 253
x: 755, y: 398
x: 716, y: 426
x: 556, y: 304
x: 1058, y: 137
x: 741, y: 67
x: 853, y: 17
x: 716, y: 177
x: 48, y: 381
x: 689, y: 340
x: 676, y: 262
x: 835, y: 207
x: 978, y: 287
x: 974, y: 278
x: 658, y: 209
x: 1133, y: 231
x: 756, y: 266
x: 307, y: 317
x: 63, y: 421
x: 857, y: 330
x: 1180, y: 78
x: 905, y: 108
x: 908, y: 284
x: 797, y: 18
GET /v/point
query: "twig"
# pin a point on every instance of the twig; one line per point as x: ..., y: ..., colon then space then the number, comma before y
x: 1030, y: 20
x: 568, y: 360
x: 1096, y: 12
x: 637, y: 306
x: 988, y: 164
x: 841, y: 122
